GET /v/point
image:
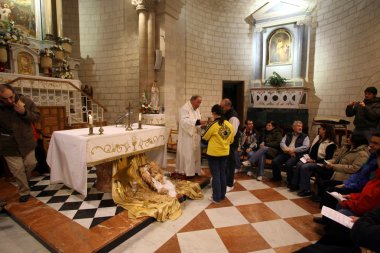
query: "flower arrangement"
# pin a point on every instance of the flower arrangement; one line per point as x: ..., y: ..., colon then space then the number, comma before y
x: 61, y: 40
x: 12, y: 34
x: 64, y: 71
x: 46, y: 52
x: 56, y: 48
x: 146, y: 108
x: 276, y: 80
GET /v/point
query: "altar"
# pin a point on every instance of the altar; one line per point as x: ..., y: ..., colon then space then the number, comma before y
x: 72, y: 151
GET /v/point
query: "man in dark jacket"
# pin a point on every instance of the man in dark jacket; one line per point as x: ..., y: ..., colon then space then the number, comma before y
x: 294, y: 145
x: 17, y: 144
x: 366, y: 112
x: 231, y: 115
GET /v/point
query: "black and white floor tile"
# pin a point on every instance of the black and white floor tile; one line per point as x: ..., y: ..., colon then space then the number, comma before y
x: 88, y: 211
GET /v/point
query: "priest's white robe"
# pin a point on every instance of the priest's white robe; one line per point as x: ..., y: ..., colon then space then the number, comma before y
x: 188, y: 159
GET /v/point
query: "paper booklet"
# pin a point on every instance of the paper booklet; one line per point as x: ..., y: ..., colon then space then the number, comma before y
x: 304, y: 158
x: 337, y: 217
x: 337, y: 195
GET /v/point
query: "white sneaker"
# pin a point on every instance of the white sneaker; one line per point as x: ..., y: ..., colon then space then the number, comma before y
x: 246, y: 163
x: 250, y: 173
x: 213, y: 201
x: 259, y: 178
x: 229, y: 189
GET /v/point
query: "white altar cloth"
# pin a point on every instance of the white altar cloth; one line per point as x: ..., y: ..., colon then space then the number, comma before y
x: 72, y: 151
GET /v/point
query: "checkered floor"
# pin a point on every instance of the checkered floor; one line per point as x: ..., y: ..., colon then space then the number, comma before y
x: 255, y: 217
x: 87, y: 211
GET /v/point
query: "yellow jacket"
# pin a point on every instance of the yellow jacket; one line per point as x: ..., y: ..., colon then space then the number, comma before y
x: 219, y: 138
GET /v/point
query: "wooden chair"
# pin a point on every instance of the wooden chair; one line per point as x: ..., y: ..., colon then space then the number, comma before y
x: 53, y: 118
x: 172, y: 141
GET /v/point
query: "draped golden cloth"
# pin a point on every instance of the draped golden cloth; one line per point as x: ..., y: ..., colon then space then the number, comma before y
x: 145, y: 201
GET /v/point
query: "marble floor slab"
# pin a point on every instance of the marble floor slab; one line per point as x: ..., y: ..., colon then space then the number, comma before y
x: 260, y: 217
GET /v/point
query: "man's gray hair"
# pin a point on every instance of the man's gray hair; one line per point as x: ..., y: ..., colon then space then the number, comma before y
x: 296, y: 122
x: 195, y: 97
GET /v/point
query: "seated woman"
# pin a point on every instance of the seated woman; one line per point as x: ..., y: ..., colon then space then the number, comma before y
x: 349, y: 160
x: 323, y: 147
x: 356, y: 182
x: 269, y: 147
x: 357, y: 204
x: 247, y: 146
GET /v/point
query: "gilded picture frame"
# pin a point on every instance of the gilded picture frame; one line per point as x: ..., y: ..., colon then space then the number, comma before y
x: 279, y: 47
x: 26, y: 15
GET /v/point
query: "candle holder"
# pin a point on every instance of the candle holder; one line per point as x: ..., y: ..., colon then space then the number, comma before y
x: 129, y: 128
x: 91, y: 129
x: 101, y: 130
x: 140, y: 125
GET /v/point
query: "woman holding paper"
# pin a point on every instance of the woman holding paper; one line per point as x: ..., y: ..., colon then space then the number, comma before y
x: 360, y: 203
x: 347, y: 162
x: 322, y: 148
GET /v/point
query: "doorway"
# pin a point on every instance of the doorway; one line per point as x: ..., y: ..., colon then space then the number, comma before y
x: 234, y: 90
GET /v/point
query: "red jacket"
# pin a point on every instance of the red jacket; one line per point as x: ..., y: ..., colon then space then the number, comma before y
x: 367, y: 199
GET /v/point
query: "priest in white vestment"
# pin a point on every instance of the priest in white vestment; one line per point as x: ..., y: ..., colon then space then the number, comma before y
x: 188, y: 160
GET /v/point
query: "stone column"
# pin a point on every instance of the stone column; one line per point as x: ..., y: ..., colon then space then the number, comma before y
x: 298, y: 51
x: 258, y: 57
x: 142, y: 8
x: 58, y: 7
x: 151, y: 46
x: 47, y: 20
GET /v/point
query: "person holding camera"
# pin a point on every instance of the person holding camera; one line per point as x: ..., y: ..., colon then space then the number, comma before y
x: 17, y: 143
x: 366, y: 112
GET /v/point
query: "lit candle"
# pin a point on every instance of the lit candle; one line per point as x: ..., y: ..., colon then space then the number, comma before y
x: 90, y: 120
x: 140, y: 116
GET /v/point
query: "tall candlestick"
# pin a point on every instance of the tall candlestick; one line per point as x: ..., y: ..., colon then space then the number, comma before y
x: 140, y: 116
x: 129, y: 128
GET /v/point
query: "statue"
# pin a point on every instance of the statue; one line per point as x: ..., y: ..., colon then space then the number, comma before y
x: 143, y: 99
x: 154, y: 97
x: 5, y: 11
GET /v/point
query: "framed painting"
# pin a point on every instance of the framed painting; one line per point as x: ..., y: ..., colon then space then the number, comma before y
x: 279, y: 47
x: 24, y: 13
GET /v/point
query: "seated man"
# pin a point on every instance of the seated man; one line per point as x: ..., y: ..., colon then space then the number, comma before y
x: 269, y: 147
x: 247, y: 146
x: 294, y: 145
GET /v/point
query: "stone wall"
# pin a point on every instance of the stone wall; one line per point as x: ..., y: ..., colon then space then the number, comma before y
x: 347, y: 55
x: 109, y: 53
x: 218, y: 47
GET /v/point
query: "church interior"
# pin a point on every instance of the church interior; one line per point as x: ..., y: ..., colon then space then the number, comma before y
x: 115, y: 74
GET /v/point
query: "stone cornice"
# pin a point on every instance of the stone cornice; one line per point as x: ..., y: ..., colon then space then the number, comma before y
x: 143, y: 5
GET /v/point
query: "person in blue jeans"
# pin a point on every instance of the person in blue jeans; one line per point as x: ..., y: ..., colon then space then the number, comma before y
x: 322, y: 148
x: 269, y: 147
x: 247, y: 145
x: 220, y: 135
